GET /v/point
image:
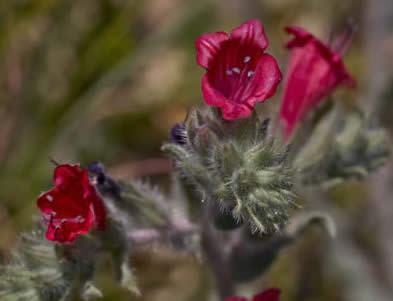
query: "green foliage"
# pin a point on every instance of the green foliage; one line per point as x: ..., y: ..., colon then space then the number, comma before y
x: 45, y: 271
x: 342, y: 146
x: 135, y: 203
x: 238, y: 166
x: 35, y: 272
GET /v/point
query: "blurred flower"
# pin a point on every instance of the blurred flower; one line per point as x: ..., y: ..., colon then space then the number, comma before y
x: 238, y: 72
x: 314, y: 71
x: 271, y: 294
x: 73, y: 206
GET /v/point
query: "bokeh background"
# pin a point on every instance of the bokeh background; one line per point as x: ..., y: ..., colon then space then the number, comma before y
x: 88, y: 80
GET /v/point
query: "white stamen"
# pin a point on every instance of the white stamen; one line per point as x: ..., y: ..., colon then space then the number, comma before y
x: 79, y: 219
x: 57, y: 227
x: 250, y: 73
x: 236, y: 70
x: 49, y: 197
x: 63, y: 220
x: 46, y: 216
x: 54, y: 213
x: 247, y: 59
x: 229, y: 72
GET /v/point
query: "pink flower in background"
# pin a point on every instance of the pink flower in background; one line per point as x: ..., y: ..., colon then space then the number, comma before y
x: 272, y: 294
x: 73, y: 206
x: 238, y: 72
x: 313, y: 72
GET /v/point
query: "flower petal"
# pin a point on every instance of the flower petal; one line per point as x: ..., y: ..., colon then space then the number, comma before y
x: 54, y: 233
x: 65, y: 230
x: 98, y: 207
x: 314, y: 71
x: 207, y: 46
x: 271, y: 294
x: 72, y: 206
x: 66, y: 173
x: 62, y: 204
x: 300, y: 36
x: 251, y: 33
x: 230, y: 109
x: 210, y: 94
x: 45, y: 202
x: 266, y: 78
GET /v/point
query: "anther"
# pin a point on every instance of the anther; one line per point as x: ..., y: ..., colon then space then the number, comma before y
x: 247, y: 59
x: 236, y: 70
x: 79, y: 219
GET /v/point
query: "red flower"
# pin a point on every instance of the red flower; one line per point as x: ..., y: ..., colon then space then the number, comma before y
x: 313, y: 72
x: 238, y: 72
x: 272, y: 294
x: 73, y: 206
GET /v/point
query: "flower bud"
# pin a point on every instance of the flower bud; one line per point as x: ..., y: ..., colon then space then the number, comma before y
x: 237, y: 166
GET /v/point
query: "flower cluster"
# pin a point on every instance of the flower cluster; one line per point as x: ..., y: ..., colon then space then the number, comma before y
x: 239, y: 73
x: 244, y: 173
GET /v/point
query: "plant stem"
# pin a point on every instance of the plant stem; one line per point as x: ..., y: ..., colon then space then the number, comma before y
x: 216, y: 255
x: 142, y: 237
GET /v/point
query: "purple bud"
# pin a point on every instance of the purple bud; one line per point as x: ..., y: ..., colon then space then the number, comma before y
x: 97, y: 168
x: 105, y: 184
x: 178, y: 134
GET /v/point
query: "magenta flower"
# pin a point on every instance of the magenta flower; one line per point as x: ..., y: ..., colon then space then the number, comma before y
x: 73, y: 207
x: 238, y: 72
x: 271, y: 294
x: 313, y: 72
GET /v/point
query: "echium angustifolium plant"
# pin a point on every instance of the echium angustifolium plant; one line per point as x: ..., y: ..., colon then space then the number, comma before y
x: 227, y: 159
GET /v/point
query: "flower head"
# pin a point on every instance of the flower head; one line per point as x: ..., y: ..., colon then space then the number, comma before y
x: 73, y: 206
x: 239, y: 73
x: 271, y: 294
x: 314, y: 71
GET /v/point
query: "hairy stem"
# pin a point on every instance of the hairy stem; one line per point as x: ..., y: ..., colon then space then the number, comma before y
x: 216, y: 255
x: 142, y: 237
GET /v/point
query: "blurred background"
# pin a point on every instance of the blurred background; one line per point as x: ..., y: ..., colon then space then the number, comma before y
x: 88, y: 80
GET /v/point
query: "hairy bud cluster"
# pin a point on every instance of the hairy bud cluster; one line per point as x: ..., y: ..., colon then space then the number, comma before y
x: 237, y: 165
x: 342, y: 146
